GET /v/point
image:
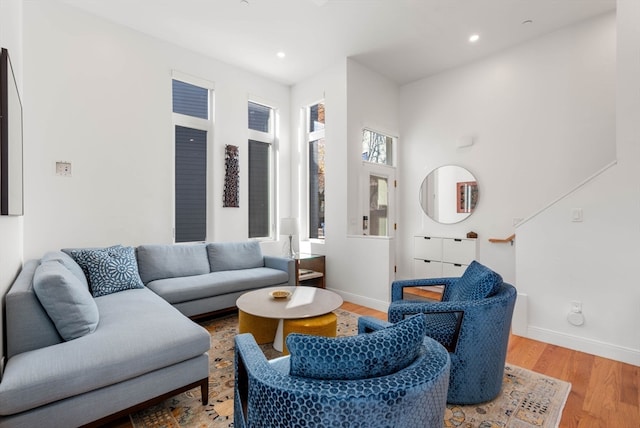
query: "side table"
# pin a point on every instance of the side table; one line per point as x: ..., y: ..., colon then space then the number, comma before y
x: 310, y: 270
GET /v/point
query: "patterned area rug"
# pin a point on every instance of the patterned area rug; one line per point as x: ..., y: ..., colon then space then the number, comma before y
x: 528, y: 399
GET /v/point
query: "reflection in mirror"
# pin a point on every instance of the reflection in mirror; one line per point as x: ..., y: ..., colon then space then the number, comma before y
x: 449, y: 194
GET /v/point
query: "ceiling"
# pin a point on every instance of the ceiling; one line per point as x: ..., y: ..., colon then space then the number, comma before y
x: 404, y: 40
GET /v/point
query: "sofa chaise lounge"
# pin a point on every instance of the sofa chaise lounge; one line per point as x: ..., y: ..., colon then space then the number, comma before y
x: 90, y: 357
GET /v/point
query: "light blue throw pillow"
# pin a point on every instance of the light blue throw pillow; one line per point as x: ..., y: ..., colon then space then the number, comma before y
x: 380, y: 353
x: 69, y: 263
x: 65, y: 299
x: 160, y: 261
x: 109, y: 270
x: 234, y: 255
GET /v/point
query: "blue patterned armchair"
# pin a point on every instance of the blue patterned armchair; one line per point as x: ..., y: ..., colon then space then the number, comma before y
x: 472, y: 321
x: 392, y: 377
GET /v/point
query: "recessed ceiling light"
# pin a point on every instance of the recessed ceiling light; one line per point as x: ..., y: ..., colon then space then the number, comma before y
x: 474, y: 38
x: 281, y: 55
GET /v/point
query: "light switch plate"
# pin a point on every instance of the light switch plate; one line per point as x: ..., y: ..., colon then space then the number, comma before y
x: 576, y: 214
x: 63, y: 169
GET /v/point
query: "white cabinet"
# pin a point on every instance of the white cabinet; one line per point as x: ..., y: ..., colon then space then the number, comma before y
x: 458, y: 251
x: 435, y: 257
x: 453, y: 269
x: 427, y: 268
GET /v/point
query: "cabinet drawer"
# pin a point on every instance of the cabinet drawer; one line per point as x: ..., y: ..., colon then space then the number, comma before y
x: 453, y: 269
x: 460, y: 251
x: 427, y: 269
x: 427, y: 248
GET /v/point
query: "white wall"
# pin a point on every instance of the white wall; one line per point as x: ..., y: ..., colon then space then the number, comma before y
x: 372, y: 102
x: 367, y: 263
x: 594, y: 261
x: 547, y: 116
x: 99, y: 96
x: 11, y: 228
x: 328, y: 85
x: 543, y: 118
x: 354, y: 97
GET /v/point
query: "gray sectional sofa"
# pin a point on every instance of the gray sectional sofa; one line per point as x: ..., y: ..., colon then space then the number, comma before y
x: 88, y: 344
x: 199, y: 279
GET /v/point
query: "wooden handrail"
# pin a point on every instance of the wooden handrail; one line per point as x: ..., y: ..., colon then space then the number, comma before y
x: 510, y: 239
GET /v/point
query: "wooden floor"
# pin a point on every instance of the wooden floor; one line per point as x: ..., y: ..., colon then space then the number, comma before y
x: 604, y: 393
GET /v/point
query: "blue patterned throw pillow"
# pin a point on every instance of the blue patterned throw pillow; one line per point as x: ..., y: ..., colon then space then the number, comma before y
x: 363, y: 356
x: 477, y: 282
x: 109, y: 270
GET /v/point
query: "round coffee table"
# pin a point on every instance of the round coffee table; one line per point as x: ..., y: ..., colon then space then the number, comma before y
x: 308, y: 310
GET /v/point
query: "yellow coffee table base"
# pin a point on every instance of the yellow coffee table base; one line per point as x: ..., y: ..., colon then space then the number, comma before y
x: 263, y: 329
x: 266, y: 330
x: 322, y: 325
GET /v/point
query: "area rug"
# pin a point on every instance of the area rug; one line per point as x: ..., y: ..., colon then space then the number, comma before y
x: 527, y: 400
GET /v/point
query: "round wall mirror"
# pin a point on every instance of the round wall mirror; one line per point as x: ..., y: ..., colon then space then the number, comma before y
x: 449, y: 194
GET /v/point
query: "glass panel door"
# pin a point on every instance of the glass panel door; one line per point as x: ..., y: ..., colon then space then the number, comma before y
x: 378, y: 218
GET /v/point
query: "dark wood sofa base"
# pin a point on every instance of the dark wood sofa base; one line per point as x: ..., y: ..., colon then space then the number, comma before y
x: 204, y: 391
x: 214, y: 314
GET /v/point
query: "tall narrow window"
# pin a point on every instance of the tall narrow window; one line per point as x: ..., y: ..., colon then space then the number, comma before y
x: 190, y: 184
x: 379, y: 180
x: 261, y: 139
x: 316, y: 143
x: 192, y: 123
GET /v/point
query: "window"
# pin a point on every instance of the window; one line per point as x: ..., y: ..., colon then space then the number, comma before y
x: 259, y: 117
x: 190, y: 184
x: 376, y: 147
x: 316, y: 143
x: 261, y: 139
x: 379, y: 183
x: 192, y: 124
x: 190, y: 100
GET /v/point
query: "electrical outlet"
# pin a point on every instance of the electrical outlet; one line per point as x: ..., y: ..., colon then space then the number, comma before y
x: 63, y: 169
x: 576, y: 306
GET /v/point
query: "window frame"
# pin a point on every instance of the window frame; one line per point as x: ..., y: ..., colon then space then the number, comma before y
x: 271, y: 139
x: 386, y: 170
x: 207, y: 125
x: 311, y: 136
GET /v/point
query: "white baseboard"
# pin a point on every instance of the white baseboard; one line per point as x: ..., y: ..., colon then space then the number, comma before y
x: 520, y: 327
x: 590, y: 346
x: 520, y: 320
x: 363, y: 301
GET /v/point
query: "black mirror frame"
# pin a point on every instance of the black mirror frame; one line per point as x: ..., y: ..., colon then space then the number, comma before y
x: 7, y: 147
